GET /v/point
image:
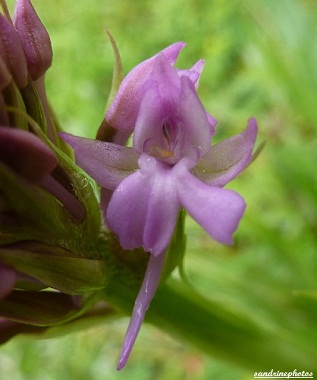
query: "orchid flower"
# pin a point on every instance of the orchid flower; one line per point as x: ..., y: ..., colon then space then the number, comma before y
x: 171, y: 165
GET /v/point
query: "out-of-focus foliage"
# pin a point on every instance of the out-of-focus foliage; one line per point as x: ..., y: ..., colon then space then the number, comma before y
x: 261, y: 60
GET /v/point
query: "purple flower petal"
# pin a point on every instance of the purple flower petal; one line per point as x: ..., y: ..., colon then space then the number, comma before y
x: 168, y: 82
x: 26, y: 154
x: 148, y: 129
x: 143, y: 209
x: 194, y: 123
x: 142, y: 303
x: 228, y: 158
x: 212, y: 123
x: 8, y: 278
x: 217, y: 210
x: 123, y: 111
x: 105, y: 162
x: 194, y: 72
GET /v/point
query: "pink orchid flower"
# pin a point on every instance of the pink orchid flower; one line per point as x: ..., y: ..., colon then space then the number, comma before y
x: 171, y: 165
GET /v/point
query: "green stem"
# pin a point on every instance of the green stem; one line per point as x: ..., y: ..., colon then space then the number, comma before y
x: 178, y: 309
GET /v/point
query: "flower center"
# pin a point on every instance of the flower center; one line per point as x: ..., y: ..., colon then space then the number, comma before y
x: 165, y: 147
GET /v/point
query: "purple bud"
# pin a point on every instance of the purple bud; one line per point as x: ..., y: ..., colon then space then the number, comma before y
x: 12, y: 53
x: 34, y: 37
x: 8, y: 277
x: 26, y: 154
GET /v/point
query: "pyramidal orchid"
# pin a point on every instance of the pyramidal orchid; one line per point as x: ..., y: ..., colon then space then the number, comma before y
x: 171, y: 165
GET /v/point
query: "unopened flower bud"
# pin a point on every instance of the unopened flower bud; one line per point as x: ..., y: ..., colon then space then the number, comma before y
x: 11, y: 52
x: 26, y: 154
x: 34, y: 37
x: 8, y: 277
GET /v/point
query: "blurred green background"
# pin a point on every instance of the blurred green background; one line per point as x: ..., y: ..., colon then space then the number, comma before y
x: 261, y: 60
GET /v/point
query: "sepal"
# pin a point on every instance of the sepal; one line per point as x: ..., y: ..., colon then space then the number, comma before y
x: 228, y: 158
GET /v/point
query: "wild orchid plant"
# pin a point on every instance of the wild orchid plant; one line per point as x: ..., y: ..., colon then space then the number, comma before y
x: 97, y: 247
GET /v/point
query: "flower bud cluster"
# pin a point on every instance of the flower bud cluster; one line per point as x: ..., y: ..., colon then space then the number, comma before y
x: 25, y: 46
x: 47, y: 204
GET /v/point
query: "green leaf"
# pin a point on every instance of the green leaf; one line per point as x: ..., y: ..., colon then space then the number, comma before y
x: 14, y: 101
x: 306, y: 294
x: 33, y: 105
x: 105, y: 131
x: 56, y: 268
x: 117, y: 76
